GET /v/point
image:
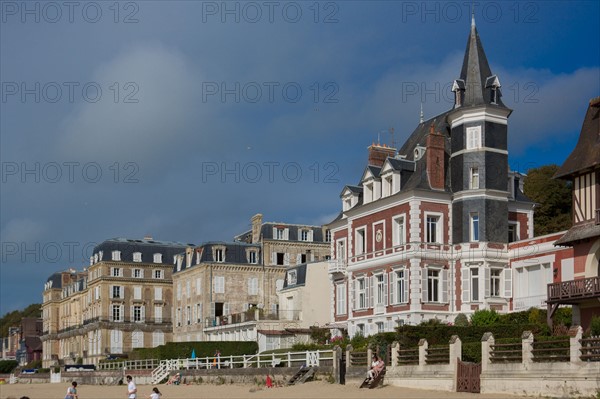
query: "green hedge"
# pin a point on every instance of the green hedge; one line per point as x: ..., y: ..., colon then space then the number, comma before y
x: 7, y: 366
x: 183, y: 350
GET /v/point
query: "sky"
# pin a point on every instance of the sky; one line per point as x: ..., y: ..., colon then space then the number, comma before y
x: 182, y: 119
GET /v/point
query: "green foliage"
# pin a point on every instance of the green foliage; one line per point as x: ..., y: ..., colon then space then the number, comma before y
x: 36, y: 364
x: 484, y: 318
x: 461, y: 320
x: 302, y: 348
x: 359, y: 341
x: 431, y: 322
x: 471, y: 352
x: 553, y: 196
x: 7, y: 366
x: 320, y: 335
x: 595, y: 326
x: 13, y: 319
x: 183, y: 350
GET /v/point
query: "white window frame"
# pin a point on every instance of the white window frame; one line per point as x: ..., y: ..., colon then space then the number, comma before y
x: 474, y: 178
x: 219, y: 255
x: 116, y: 310
x: 439, y: 229
x: 516, y: 226
x: 116, y: 272
x: 341, y: 249
x: 252, y: 286
x: 340, y: 299
x: 137, y: 292
x: 138, y: 273
x: 399, y: 285
x: 495, y: 282
x: 362, y: 293
x: 137, y: 256
x: 157, y: 258
x: 360, y: 239
x: 328, y: 235
x: 198, y: 285
x: 116, y: 256
x: 442, y: 285
x: 252, y: 257
x: 158, y: 293
x: 137, y: 314
x: 219, y: 284
x: 158, y: 274
x: 474, y: 275
x: 474, y: 227
x: 292, y: 277
x: 399, y: 234
x: 473, y: 137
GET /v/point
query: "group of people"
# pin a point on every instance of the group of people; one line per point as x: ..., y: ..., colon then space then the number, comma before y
x: 131, y: 390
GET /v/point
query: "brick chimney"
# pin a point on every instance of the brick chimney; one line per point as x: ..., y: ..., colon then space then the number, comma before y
x: 435, y: 159
x: 378, y: 153
x: 257, y: 221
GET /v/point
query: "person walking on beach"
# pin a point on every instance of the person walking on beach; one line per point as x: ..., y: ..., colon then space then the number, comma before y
x: 131, y: 388
x: 72, y: 391
x: 155, y: 394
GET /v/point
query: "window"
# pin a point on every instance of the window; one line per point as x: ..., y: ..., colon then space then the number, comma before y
x: 116, y: 341
x: 137, y: 293
x: 219, y: 284
x: 116, y: 272
x: 158, y: 293
x: 399, y: 286
x: 280, y: 258
x: 433, y: 285
x: 158, y: 274
x: 474, y: 181
x: 302, y: 258
x: 280, y: 233
x: 474, y: 227
x: 138, y: 314
x: 178, y: 317
x: 188, y: 315
x: 137, y: 256
x: 512, y: 232
x: 157, y: 258
x: 327, y: 235
x: 473, y: 137
x: 198, y: 313
x: 387, y: 186
x: 398, y: 232
x: 380, y: 286
x: 361, y: 293
x: 116, y: 255
x: 116, y: 313
x: 360, y: 329
x: 252, y: 257
x: 138, y: 273
x: 474, y: 284
x: 495, y: 279
x: 291, y: 277
x: 278, y: 284
x: 360, y: 241
x: 253, y: 286
x: 340, y: 299
x: 179, y: 291
x: 304, y: 234
x: 137, y: 339
x: 380, y: 327
x: 198, y: 285
x: 341, y: 250
x: 116, y: 291
x: 158, y: 338
x: 219, y: 255
x: 188, y: 288
x: 433, y: 227
x: 158, y: 314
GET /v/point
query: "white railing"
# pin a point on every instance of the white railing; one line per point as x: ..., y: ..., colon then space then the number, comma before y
x: 145, y: 364
x: 13, y: 379
x: 535, y: 301
x: 337, y: 266
x: 286, y: 359
x: 55, y: 378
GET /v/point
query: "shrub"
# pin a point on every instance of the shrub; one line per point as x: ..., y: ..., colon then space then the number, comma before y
x: 7, y: 366
x: 36, y: 364
x: 359, y: 341
x: 595, y: 326
x: 320, y: 335
x: 461, y: 320
x: 183, y: 350
x: 484, y: 318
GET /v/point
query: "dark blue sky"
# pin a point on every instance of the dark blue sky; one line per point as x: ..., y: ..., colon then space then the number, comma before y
x: 183, y: 119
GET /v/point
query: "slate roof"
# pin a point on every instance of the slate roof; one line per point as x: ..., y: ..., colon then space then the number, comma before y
x: 56, y: 279
x: 475, y: 72
x: 148, y: 248
x: 300, y: 277
x: 586, y: 155
x: 235, y: 253
x: 267, y: 231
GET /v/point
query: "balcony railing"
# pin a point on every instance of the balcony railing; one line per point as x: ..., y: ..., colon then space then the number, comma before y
x: 86, y: 322
x: 337, y: 266
x: 574, y: 290
x: 534, y: 301
x: 251, y: 315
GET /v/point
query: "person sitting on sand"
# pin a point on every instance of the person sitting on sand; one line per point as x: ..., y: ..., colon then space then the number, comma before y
x: 376, y: 367
x: 72, y: 391
x: 155, y: 394
x: 175, y: 380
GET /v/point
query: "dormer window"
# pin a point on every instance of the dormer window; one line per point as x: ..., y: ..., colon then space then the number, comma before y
x: 368, y: 190
x: 493, y: 83
x: 137, y: 256
x: 306, y: 235
x: 116, y: 255
x: 252, y: 257
x: 218, y: 253
x: 327, y: 235
x: 280, y: 233
x: 157, y: 258
x: 458, y: 88
x: 291, y: 277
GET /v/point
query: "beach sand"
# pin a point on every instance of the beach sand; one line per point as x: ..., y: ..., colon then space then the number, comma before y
x: 310, y: 390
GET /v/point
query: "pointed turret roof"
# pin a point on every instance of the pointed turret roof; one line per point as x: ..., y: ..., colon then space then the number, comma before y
x: 476, y: 73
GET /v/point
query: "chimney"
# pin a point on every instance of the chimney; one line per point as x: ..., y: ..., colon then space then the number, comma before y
x: 256, y: 226
x: 148, y: 237
x: 378, y: 153
x: 435, y: 159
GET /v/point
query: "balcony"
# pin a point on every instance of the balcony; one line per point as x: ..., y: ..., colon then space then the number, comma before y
x: 574, y: 291
x: 337, y: 266
x: 252, y: 315
x: 525, y: 303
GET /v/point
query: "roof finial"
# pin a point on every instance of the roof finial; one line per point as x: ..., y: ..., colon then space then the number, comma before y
x: 421, y: 119
x: 473, y: 14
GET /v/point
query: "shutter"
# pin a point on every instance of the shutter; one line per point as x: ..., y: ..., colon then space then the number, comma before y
x: 214, y: 284
x: 393, y: 294
x: 212, y: 310
x: 141, y: 273
x: 298, y: 259
x: 385, y: 289
x: 464, y: 272
x: 143, y: 313
x: 406, y: 282
x: 122, y: 313
x: 245, y: 307
x: 310, y: 235
x: 110, y: 293
x: 275, y: 233
x: 371, y: 291
x: 122, y: 292
x: 131, y: 313
x: 286, y: 234
x: 226, y: 308
x: 507, y: 282
x: 444, y: 286
x: 424, y: 285
x: 286, y: 259
x: 486, y: 273
x: 274, y: 258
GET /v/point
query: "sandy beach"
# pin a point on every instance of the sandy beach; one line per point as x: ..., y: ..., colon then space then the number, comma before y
x: 312, y: 390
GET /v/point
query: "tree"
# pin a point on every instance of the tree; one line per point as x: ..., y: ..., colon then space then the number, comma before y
x: 14, y: 318
x: 553, y: 196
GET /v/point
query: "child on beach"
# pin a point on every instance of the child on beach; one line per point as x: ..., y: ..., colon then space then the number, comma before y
x: 72, y: 391
x: 155, y: 394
